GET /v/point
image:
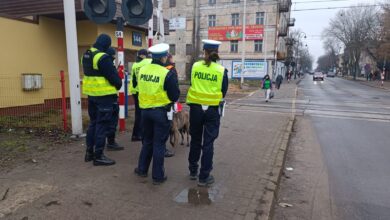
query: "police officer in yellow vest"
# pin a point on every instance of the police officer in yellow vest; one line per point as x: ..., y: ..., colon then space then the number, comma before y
x: 101, y: 83
x: 142, y: 60
x: 158, y: 88
x: 209, y: 84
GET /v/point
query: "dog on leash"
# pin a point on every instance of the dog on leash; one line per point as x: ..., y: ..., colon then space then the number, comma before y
x: 180, y: 126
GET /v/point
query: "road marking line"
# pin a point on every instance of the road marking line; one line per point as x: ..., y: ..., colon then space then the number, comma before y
x: 350, y: 118
x: 294, y: 99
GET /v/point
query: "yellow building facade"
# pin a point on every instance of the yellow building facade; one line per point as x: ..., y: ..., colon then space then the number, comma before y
x: 40, y: 48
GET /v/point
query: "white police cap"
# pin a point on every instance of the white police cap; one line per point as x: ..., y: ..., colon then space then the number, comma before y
x: 211, y: 44
x: 159, y: 50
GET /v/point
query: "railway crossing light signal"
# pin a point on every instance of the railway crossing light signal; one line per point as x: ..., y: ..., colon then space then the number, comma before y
x: 137, y: 12
x: 100, y: 11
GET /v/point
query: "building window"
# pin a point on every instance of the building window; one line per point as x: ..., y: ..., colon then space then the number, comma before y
x: 258, y: 46
x: 235, y: 19
x: 260, y: 18
x: 234, y: 46
x: 236, y: 1
x: 172, y: 3
x: 188, y: 49
x: 212, y: 2
x: 212, y: 20
x: 172, y: 49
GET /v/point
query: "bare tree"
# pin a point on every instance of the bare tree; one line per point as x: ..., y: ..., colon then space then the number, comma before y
x: 325, y: 62
x: 305, y: 59
x: 383, y: 44
x: 354, y: 27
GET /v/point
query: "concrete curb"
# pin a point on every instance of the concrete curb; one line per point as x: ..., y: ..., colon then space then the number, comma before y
x: 274, y: 183
x: 365, y: 84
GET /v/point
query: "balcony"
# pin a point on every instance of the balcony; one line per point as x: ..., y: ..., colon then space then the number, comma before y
x: 283, y: 31
x: 284, y: 5
x: 291, y: 22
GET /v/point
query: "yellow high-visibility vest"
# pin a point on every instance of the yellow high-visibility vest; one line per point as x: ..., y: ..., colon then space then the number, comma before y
x: 151, y: 93
x: 97, y: 85
x: 134, y: 72
x: 206, y: 84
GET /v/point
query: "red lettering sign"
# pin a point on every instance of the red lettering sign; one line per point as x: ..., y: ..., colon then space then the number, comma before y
x: 228, y: 33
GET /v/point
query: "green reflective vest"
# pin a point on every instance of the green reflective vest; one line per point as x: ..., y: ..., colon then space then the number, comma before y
x: 134, y: 72
x: 206, y: 84
x: 151, y: 93
x: 267, y: 84
x: 97, y: 85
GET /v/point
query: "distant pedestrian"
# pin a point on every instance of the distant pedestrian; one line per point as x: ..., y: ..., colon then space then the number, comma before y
x: 267, y: 86
x: 382, y: 77
x: 370, y: 75
x: 288, y: 76
x: 279, y: 80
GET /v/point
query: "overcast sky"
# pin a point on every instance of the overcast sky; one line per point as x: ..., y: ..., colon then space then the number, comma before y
x: 314, y: 22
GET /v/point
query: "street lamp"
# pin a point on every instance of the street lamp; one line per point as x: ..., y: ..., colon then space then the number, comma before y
x: 300, y: 35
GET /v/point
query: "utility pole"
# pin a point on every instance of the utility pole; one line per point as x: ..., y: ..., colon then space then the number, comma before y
x: 265, y: 42
x: 276, y: 41
x: 121, y: 61
x: 73, y: 67
x: 243, y: 45
x: 150, y: 32
x: 160, y: 20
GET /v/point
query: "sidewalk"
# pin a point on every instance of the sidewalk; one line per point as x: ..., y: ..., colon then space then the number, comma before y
x: 248, y: 156
x: 375, y: 84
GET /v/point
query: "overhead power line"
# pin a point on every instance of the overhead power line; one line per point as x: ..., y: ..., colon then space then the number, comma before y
x: 319, y: 1
x: 340, y: 7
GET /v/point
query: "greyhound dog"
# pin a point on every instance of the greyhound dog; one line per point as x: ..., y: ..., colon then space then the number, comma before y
x: 180, y: 125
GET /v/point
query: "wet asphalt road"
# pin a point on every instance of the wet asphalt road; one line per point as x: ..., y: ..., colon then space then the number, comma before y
x: 352, y: 122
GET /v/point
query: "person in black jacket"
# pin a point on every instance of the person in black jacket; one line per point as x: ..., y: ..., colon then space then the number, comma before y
x: 111, y: 143
x: 101, y: 83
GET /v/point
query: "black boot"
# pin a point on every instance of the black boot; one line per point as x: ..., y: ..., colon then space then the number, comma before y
x: 89, y: 155
x: 101, y: 160
x: 113, y: 146
x: 159, y: 182
x: 206, y: 182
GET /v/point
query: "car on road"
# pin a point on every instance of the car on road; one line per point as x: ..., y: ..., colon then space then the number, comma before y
x: 318, y: 76
x: 331, y: 74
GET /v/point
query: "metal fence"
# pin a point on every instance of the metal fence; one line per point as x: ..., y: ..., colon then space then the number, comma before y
x: 34, y: 101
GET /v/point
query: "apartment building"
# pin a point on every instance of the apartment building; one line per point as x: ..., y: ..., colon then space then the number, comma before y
x: 267, y: 23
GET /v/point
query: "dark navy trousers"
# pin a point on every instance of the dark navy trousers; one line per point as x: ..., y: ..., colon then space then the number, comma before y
x: 113, y: 124
x: 156, y: 127
x: 204, y: 129
x: 100, y: 110
x: 137, y: 129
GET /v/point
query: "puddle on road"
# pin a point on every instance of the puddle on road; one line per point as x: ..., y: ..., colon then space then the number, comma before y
x: 197, y: 196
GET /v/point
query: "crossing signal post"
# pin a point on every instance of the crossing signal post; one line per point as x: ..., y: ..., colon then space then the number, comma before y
x: 135, y: 12
x: 100, y: 11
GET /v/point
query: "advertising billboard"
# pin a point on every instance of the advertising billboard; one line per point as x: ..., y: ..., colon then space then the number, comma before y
x: 253, y: 69
x: 228, y: 33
